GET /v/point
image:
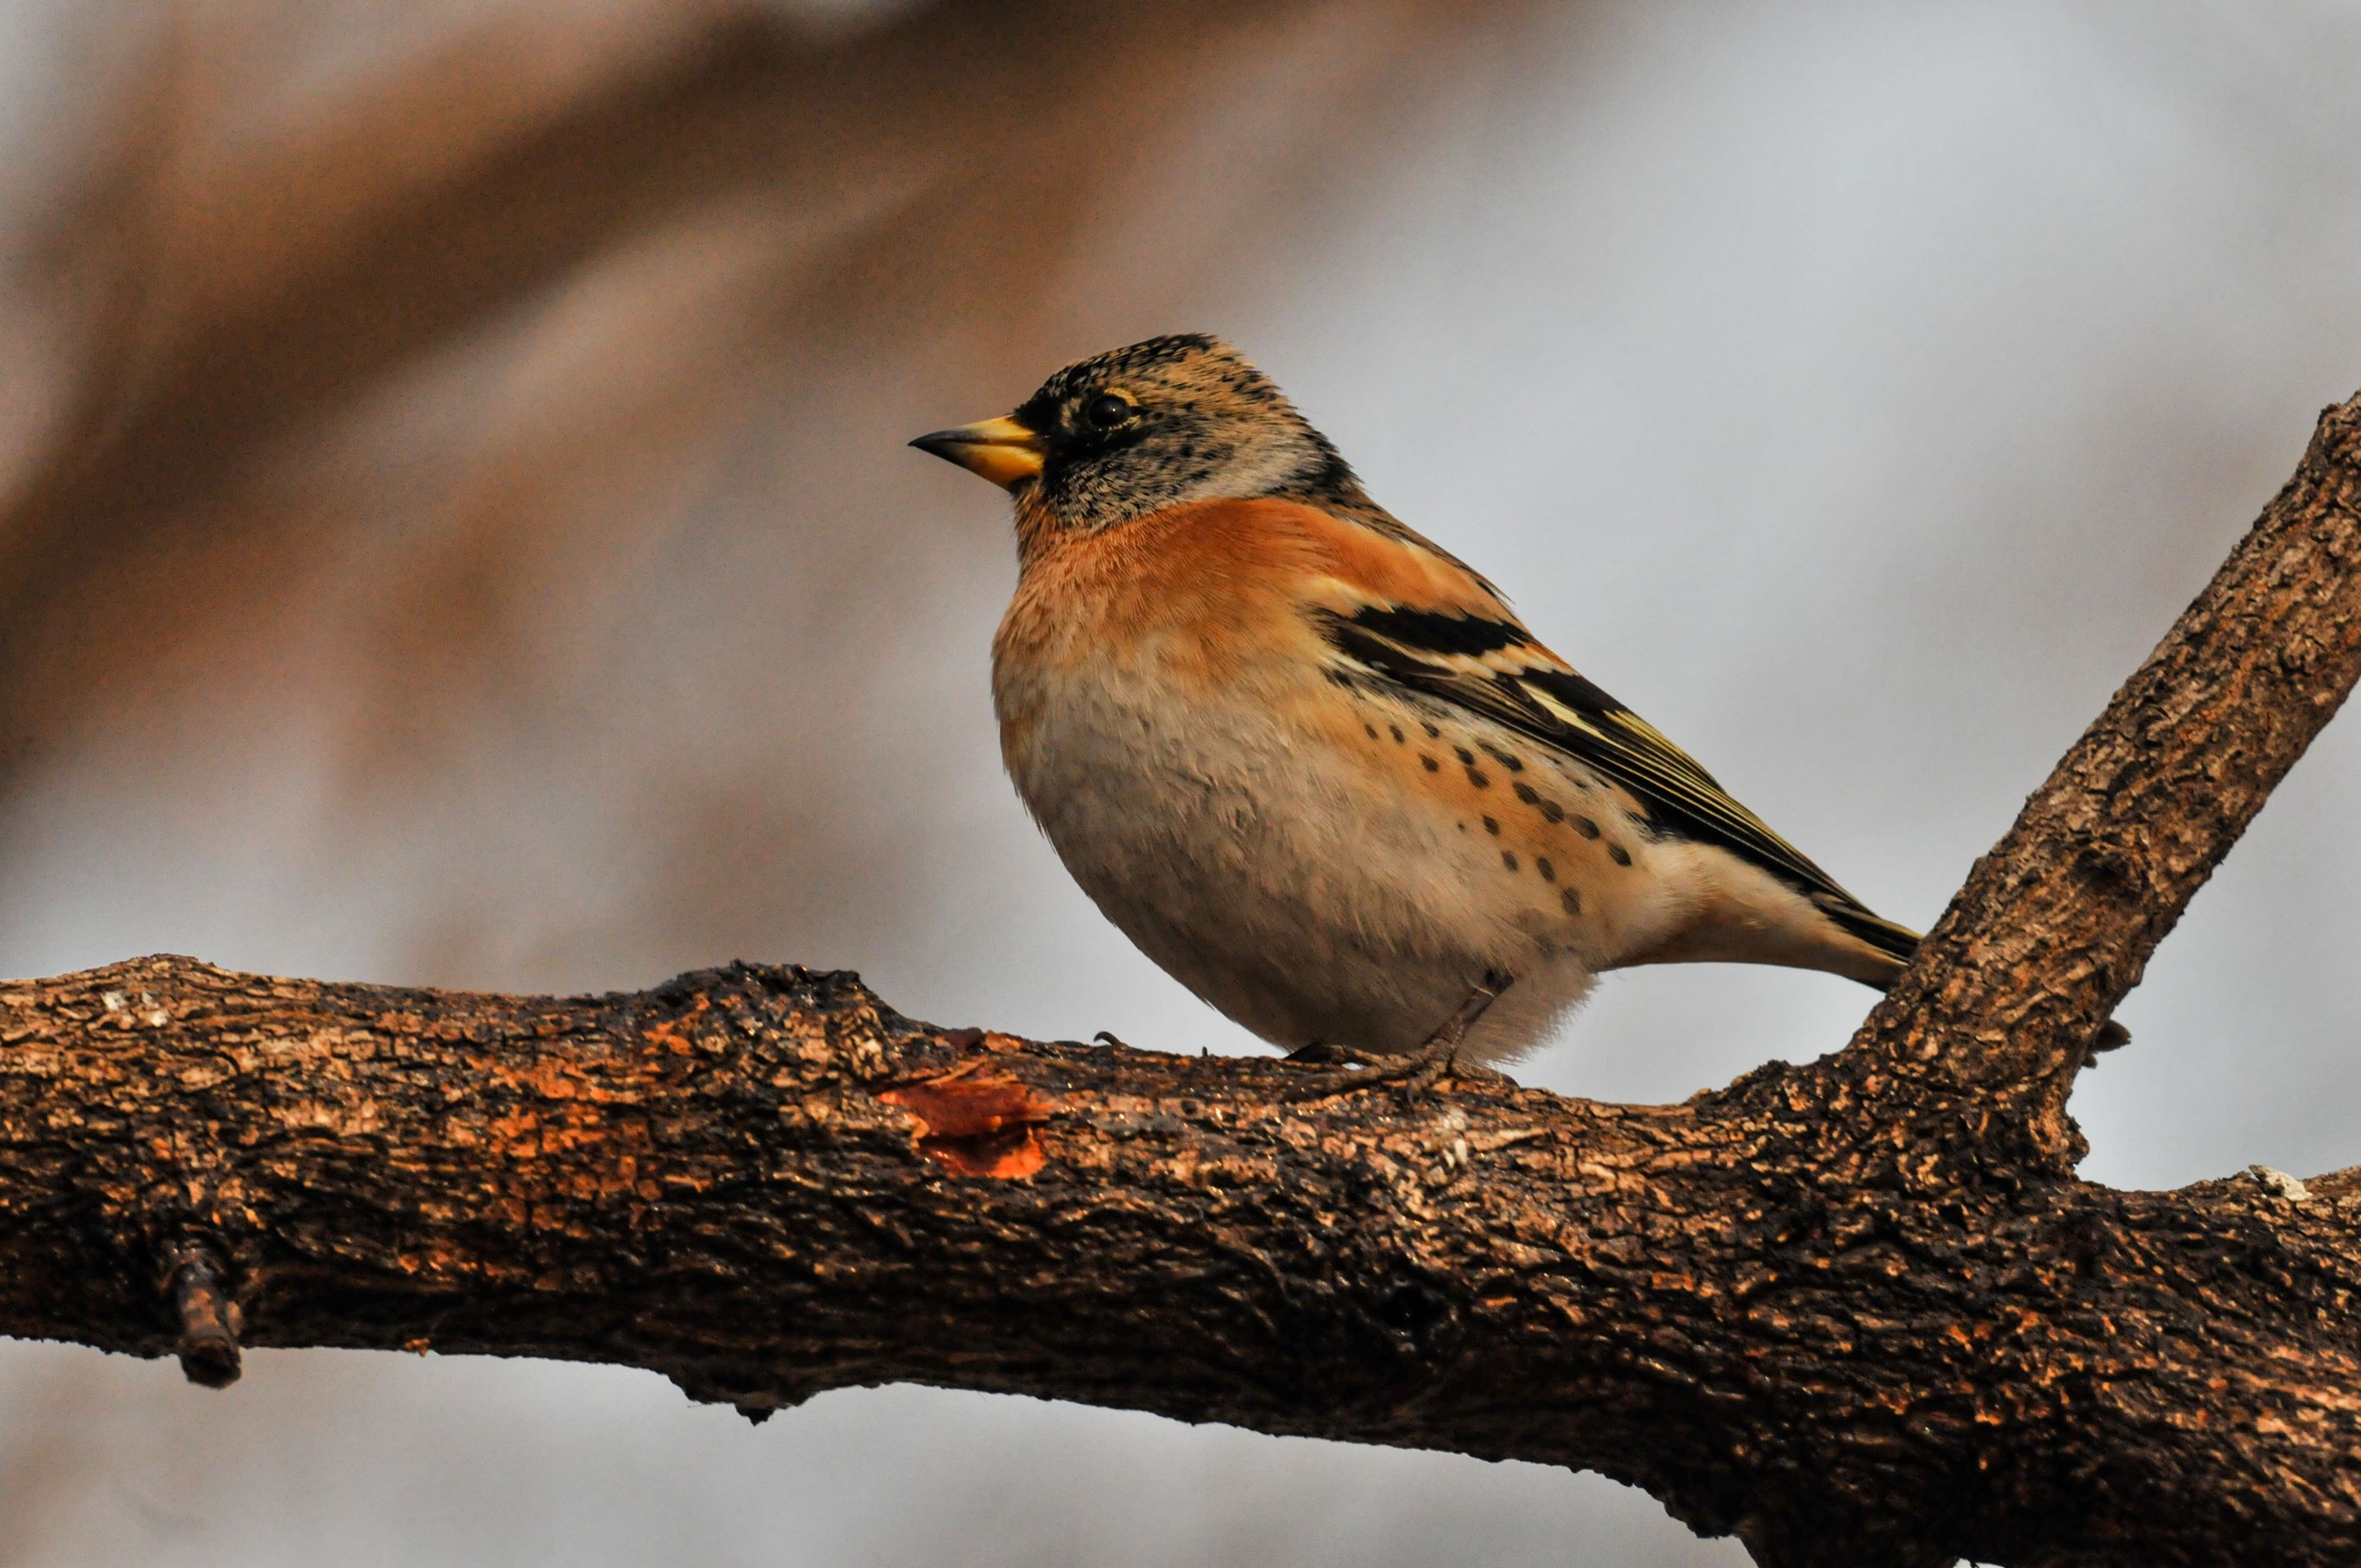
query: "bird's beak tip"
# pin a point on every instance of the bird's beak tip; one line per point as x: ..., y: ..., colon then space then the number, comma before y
x: 1003, y: 450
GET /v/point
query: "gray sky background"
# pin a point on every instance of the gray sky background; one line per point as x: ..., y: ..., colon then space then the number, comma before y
x: 1857, y: 390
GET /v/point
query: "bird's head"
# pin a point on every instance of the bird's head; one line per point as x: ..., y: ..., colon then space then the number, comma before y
x: 1180, y: 418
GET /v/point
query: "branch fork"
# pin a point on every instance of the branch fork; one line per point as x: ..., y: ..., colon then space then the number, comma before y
x: 1858, y: 1311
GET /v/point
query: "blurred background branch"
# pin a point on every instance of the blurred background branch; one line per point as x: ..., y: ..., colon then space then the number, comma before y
x: 259, y: 268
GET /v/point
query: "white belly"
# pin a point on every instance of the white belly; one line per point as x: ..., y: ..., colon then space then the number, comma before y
x: 1264, y: 871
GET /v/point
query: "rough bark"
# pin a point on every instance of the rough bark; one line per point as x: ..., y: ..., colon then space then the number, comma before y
x: 1857, y: 1311
x: 2055, y: 925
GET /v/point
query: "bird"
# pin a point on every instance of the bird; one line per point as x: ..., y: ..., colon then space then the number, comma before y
x: 1313, y: 765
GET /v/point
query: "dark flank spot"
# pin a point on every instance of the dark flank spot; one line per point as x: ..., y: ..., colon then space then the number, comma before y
x: 1341, y: 678
x: 1542, y: 864
x: 1462, y: 827
x: 1570, y: 900
x: 1509, y: 859
x: 1492, y: 828
x: 1372, y: 729
x: 1619, y: 854
x: 1514, y: 764
x: 1431, y: 732
x: 1585, y: 827
x: 1553, y: 811
x: 1527, y: 794
x: 1428, y: 763
x: 1397, y: 732
x: 1466, y: 758
x: 1480, y: 778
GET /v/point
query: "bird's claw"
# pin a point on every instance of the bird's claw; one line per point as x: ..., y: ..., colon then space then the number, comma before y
x: 1415, y: 1071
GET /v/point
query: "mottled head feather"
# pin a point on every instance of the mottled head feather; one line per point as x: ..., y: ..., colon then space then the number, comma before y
x: 1178, y: 418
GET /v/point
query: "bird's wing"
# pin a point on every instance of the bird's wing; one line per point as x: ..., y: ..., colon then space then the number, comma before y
x: 1493, y: 667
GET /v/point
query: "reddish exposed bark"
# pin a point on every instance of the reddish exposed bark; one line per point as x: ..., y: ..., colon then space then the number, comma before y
x: 1857, y: 1311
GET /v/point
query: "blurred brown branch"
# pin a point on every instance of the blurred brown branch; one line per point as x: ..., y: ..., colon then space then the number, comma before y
x: 248, y: 295
x: 1857, y: 1312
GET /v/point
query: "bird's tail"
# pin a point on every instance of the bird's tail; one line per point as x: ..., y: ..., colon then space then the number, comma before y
x: 1899, y: 943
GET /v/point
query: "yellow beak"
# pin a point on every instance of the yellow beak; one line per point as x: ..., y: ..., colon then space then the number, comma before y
x: 1001, y: 450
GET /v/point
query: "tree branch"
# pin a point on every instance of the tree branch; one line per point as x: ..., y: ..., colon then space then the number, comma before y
x: 2055, y: 925
x: 1855, y: 1311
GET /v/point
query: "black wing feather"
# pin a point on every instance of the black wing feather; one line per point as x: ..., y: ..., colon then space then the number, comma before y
x: 1561, y: 709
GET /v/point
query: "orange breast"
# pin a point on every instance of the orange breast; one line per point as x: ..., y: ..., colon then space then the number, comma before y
x: 1214, y: 585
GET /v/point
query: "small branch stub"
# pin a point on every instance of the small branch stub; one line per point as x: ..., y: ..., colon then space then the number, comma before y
x: 208, y: 1340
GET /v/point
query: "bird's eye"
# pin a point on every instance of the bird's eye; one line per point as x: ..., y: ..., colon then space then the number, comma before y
x: 1108, y: 409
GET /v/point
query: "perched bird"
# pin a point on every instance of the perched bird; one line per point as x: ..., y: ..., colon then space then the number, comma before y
x: 1314, y: 765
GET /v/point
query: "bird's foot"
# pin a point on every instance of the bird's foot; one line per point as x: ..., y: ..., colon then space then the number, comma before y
x: 1327, y: 1053
x: 1413, y: 1071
